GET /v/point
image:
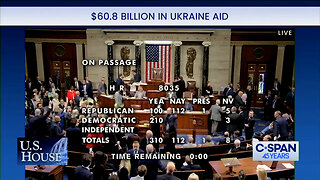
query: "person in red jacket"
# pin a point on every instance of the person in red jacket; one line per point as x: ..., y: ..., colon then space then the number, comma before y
x: 71, y: 94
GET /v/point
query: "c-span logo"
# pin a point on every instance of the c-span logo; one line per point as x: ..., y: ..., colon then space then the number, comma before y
x: 276, y: 151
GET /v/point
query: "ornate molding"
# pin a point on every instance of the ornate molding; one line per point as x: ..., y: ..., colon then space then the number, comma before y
x: 177, y: 43
x: 137, y: 43
x: 206, y: 43
x: 109, y: 42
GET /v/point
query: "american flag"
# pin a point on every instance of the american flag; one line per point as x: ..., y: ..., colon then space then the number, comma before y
x: 158, y: 56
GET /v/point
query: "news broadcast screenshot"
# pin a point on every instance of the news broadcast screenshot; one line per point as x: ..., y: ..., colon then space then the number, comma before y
x: 167, y: 93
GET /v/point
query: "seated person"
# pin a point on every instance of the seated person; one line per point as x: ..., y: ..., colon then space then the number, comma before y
x: 188, y: 106
x: 142, y: 170
x: 83, y: 172
x: 209, y: 141
x: 193, y: 176
x: 188, y: 165
x: 133, y: 88
x: 152, y: 164
x: 237, y: 135
x: 267, y: 138
x: 249, y: 146
x: 190, y: 143
x: 225, y: 139
x: 140, y: 93
x: 170, y: 169
x: 237, y: 147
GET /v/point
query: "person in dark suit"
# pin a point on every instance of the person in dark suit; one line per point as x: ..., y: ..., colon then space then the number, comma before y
x: 280, y: 129
x: 277, y: 104
x: 188, y: 165
x: 83, y: 172
x: 152, y: 164
x: 289, y: 100
x: 238, y: 100
x: 119, y: 82
x: 249, y: 124
x: 208, y: 90
x: 242, y: 118
x: 84, y: 89
x: 74, y: 136
x: 267, y: 103
x: 225, y: 139
x: 228, y: 91
x: 234, y: 120
x: 134, y: 162
x: 237, y: 147
x: 136, y: 76
x: 170, y: 120
x: 55, y: 128
x: 182, y: 86
x: 249, y: 97
x: 76, y: 84
x: 169, y: 175
x: 276, y: 86
x: 100, y: 165
x: 89, y: 87
x: 146, y: 140
x: 38, y: 124
x: 37, y: 84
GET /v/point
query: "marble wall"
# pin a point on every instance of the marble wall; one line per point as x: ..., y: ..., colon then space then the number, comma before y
x: 219, y: 52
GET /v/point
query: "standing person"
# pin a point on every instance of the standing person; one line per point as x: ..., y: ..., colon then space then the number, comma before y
x: 234, y: 120
x: 84, y: 89
x: 170, y: 120
x: 134, y: 162
x: 102, y: 88
x: 136, y: 76
x: 276, y: 86
x: 55, y: 128
x: 208, y: 90
x: 76, y: 84
x: 249, y: 97
x: 119, y: 82
x: 249, y: 124
x: 280, y: 129
x: 238, y: 100
x: 89, y: 87
x: 71, y: 94
x: 228, y: 91
x: 215, y: 117
x: 182, y: 86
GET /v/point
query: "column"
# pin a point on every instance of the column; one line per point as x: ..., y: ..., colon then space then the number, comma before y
x: 279, y: 66
x: 177, y: 61
x: 109, y: 57
x: 205, y: 63
x: 79, y: 52
x: 138, y: 55
x: 39, y: 56
x: 237, y: 64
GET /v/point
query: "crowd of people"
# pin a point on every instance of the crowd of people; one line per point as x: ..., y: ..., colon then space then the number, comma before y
x: 49, y: 115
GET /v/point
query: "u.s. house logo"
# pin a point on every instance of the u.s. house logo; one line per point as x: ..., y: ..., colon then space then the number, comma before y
x: 276, y: 151
x: 43, y: 151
